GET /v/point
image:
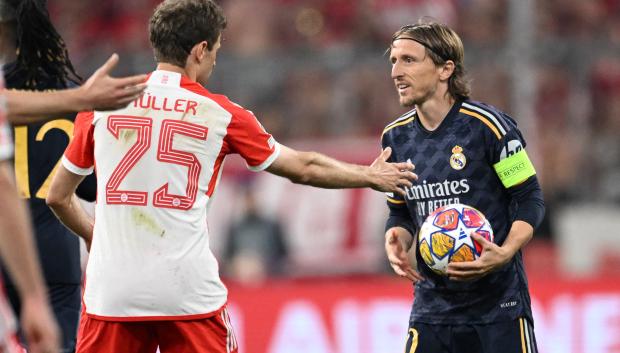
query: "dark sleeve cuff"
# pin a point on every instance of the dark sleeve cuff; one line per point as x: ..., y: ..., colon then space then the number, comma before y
x: 400, y: 217
x: 530, y: 203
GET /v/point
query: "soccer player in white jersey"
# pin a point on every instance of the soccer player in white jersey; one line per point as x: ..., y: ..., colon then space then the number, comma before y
x: 151, y: 278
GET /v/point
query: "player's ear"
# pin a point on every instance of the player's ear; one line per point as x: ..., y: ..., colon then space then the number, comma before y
x: 199, y: 51
x: 446, y: 70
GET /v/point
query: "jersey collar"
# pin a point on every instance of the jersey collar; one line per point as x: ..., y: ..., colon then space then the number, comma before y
x: 452, y: 113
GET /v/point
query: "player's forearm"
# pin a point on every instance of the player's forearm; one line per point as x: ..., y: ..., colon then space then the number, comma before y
x: 70, y: 212
x: 312, y: 168
x: 30, y: 106
x: 322, y: 171
x: 17, y: 246
x: 520, y: 234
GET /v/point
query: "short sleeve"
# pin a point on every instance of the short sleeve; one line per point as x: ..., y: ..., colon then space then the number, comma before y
x: 79, y: 155
x: 247, y: 137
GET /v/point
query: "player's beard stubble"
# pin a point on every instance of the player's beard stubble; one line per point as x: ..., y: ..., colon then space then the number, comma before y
x: 412, y: 100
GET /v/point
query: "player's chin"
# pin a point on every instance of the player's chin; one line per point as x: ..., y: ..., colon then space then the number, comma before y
x: 406, y: 101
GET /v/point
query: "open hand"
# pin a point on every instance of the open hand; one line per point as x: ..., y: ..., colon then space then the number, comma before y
x: 397, y: 255
x: 491, y: 258
x: 392, y: 177
x: 103, y: 92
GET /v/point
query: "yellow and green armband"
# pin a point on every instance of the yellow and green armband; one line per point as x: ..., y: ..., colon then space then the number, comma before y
x: 514, y: 169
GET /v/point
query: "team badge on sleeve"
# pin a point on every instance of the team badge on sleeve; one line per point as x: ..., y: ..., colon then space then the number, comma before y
x: 457, y: 159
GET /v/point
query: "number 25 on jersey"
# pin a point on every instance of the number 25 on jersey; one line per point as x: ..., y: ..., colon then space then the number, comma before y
x: 165, y: 154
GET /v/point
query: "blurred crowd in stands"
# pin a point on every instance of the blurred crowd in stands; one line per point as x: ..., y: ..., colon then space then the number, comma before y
x: 317, y: 69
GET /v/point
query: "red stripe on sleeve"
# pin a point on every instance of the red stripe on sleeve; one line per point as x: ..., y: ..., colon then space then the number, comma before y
x: 80, y: 151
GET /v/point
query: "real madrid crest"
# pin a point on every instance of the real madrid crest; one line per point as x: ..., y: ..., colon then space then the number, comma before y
x: 457, y: 159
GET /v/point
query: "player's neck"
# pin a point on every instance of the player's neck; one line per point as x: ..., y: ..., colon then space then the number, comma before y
x: 174, y: 68
x: 432, y: 112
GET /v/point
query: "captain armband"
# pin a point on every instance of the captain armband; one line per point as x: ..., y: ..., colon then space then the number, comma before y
x: 514, y: 169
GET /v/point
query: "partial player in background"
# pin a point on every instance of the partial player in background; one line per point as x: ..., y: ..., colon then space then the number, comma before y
x: 464, y: 152
x: 151, y: 278
x: 17, y: 249
x: 39, y: 61
x: 17, y: 252
x: 25, y: 24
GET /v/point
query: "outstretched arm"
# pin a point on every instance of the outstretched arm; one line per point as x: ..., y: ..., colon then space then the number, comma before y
x: 18, y: 253
x: 312, y: 168
x: 99, y: 92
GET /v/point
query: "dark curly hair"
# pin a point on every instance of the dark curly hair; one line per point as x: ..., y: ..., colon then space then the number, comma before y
x: 41, y: 52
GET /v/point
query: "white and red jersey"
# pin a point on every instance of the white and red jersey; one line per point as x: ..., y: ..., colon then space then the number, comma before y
x: 158, y: 162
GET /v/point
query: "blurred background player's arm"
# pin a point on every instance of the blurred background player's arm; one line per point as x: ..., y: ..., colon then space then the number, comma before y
x: 18, y: 253
x: 311, y: 168
x: 99, y: 92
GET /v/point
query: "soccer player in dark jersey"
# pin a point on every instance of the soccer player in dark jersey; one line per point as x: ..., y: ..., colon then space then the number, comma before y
x: 464, y: 152
x: 41, y: 64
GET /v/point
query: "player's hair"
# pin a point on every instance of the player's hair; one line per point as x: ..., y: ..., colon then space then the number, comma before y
x: 178, y: 25
x: 442, y: 44
x: 41, y: 52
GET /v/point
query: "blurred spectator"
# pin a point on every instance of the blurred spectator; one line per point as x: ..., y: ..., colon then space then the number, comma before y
x: 605, y: 137
x: 483, y: 22
x: 557, y: 173
x: 250, y: 35
x: 255, y: 245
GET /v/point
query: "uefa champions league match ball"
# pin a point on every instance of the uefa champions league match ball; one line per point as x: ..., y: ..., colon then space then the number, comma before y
x: 445, y: 236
